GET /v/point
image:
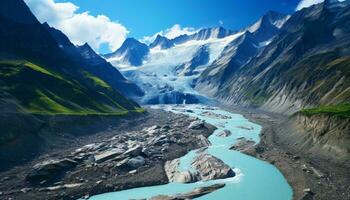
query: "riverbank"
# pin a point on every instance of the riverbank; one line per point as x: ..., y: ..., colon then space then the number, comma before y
x: 129, y: 153
x: 311, y: 177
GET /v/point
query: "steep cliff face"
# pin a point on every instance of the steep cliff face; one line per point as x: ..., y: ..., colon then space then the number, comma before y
x: 320, y: 135
x: 306, y: 65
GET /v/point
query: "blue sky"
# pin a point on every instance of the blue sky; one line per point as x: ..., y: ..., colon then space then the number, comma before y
x: 105, y: 24
x: 146, y: 17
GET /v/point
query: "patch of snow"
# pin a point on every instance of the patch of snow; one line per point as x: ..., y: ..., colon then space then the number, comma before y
x: 255, y: 26
x: 265, y: 43
x: 280, y: 23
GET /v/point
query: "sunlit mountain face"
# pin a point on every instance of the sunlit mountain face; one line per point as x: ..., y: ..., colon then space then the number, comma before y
x: 168, y: 69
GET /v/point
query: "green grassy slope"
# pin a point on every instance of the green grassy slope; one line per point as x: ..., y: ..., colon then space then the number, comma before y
x: 342, y: 110
x: 42, y: 78
x: 43, y: 90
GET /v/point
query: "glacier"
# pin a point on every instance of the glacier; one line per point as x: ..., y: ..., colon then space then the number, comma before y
x: 158, y: 76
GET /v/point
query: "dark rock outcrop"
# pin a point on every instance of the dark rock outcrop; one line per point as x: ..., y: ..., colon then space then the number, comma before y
x: 48, y: 171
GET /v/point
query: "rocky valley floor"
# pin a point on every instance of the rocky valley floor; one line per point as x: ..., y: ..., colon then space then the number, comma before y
x: 131, y: 154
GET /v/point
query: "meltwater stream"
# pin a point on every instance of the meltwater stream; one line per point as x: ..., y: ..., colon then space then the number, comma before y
x: 254, y: 180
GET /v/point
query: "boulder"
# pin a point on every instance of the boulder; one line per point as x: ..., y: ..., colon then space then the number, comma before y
x: 171, y: 170
x: 242, y: 145
x: 150, y: 151
x: 49, y: 170
x: 203, y: 141
x: 211, y: 168
x: 159, y: 140
x: 224, y: 133
x: 195, y: 125
x: 185, y: 177
x: 136, y: 162
x: 122, y: 163
x: 134, y: 151
x: 152, y: 130
x: 207, y: 168
x: 89, y: 148
x: 107, y: 155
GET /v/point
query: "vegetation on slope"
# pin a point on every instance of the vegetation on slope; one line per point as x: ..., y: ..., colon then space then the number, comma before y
x: 42, y: 90
x: 42, y: 78
x: 342, y: 110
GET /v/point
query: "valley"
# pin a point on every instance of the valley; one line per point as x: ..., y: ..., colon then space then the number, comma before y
x: 260, y: 112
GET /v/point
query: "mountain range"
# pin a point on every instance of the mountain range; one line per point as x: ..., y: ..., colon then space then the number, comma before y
x: 270, y: 65
x: 306, y: 65
x: 171, y: 68
x: 79, y: 114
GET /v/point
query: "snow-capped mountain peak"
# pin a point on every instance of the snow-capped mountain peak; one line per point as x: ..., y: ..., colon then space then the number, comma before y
x: 271, y: 18
x: 132, y: 52
x: 268, y: 25
x: 217, y: 32
x: 170, y: 67
x: 204, y: 34
x: 162, y: 43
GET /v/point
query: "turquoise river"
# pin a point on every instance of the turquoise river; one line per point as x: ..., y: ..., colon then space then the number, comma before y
x: 254, y: 180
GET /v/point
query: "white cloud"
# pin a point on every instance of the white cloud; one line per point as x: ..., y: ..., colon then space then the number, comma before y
x: 307, y: 3
x: 170, y: 33
x: 79, y: 27
x: 221, y: 22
